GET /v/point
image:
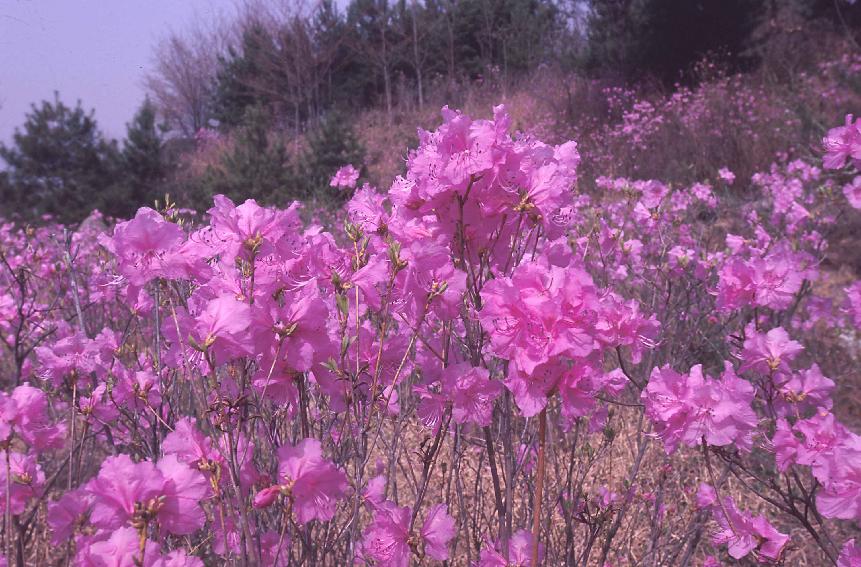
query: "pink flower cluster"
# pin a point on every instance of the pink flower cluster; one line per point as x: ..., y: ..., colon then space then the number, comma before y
x: 456, y: 361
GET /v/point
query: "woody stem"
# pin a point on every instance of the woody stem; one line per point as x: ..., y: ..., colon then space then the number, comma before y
x: 539, y: 485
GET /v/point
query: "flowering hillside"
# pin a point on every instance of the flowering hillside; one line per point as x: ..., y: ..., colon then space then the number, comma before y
x: 485, y: 364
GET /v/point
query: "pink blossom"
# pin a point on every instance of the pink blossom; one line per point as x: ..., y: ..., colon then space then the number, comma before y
x: 346, y: 176
x: 770, y: 352
x: 539, y: 313
x: 147, y: 247
x: 25, y: 480
x: 471, y: 393
x: 121, y: 549
x: 299, y: 325
x: 437, y: 530
x: 687, y: 409
x: 25, y: 414
x: 137, y: 390
x: 67, y: 513
x: 169, y: 493
x: 183, y: 491
x: 744, y: 533
x: 431, y: 281
x: 852, y: 191
x: 374, y: 493
x: 70, y: 358
x: 727, y: 175
x: 520, y: 548
x: 249, y: 230
x: 842, y: 143
x: 223, y: 327
x: 850, y: 555
x: 785, y: 445
x: 807, y: 389
x: 179, y: 558
x: 314, y: 484
x: 388, y: 540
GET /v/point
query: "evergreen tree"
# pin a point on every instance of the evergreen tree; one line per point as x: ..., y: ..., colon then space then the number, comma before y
x: 256, y: 166
x: 238, y: 76
x: 666, y: 38
x: 331, y: 145
x: 143, y: 158
x: 61, y: 164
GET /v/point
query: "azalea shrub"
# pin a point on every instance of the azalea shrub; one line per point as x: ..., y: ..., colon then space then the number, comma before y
x: 482, y: 365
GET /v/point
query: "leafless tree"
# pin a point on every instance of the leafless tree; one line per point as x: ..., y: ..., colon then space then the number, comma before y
x: 375, y: 39
x: 183, y: 75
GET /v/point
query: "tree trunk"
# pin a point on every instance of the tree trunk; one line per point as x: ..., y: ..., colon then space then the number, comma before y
x: 417, y: 60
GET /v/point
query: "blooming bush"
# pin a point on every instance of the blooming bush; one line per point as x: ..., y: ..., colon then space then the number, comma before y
x: 483, y: 366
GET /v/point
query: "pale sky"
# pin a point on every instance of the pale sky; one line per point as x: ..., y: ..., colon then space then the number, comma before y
x: 93, y: 50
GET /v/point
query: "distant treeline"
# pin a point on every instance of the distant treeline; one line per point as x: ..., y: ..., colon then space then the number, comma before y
x: 283, y: 72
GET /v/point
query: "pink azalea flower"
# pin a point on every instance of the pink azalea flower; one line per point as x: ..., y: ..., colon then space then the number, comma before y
x: 374, y: 493
x: 653, y: 193
x: 300, y: 327
x: 785, y: 445
x: 388, y: 541
x: 346, y: 176
x: 688, y: 409
x: 807, y: 389
x: 25, y: 480
x: 121, y: 549
x: 769, y: 352
x: 850, y: 555
x: 852, y: 191
x: 621, y: 323
x: 531, y: 391
x: 431, y: 407
x: 841, y: 496
x: 182, y: 492
x: 223, y: 326
x: 539, y: 313
x: 137, y: 390
x: 72, y: 357
x: 727, y: 175
x: 842, y: 143
x: 67, y: 513
x: 179, y: 558
x: 314, y: 484
x: 520, y: 548
x: 437, y: 530
x: 25, y: 414
x: 169, y: 493
x: 248, y: 229
x: 189, y: 445
x: 777, y: 278
x: 366, y: 209
x: 471, y: 392
x: 744, y: 533
x: 431, y: 280
x: 147, y: 247
x: 706, y: 495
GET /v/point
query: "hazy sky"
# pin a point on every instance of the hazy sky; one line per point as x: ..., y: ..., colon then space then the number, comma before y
x: 93, y: 50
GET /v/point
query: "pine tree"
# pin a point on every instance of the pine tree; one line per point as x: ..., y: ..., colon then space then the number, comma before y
x: 143, y: 158
x: 60, y: 163
x: 238, y: 77
x: 331, y: 145
x: 665, y: 39
x: 256, y: 166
